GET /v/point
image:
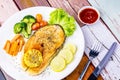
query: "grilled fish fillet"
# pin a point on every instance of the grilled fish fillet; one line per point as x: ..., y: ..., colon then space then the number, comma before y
x: 47, y: 40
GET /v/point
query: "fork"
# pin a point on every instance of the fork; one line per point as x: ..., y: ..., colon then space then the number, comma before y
x: 92, y: 54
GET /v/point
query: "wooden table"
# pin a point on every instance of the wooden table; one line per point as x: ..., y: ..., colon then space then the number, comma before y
x: 71, y: 6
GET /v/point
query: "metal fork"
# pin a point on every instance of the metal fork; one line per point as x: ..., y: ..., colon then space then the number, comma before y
x: 92, y: 54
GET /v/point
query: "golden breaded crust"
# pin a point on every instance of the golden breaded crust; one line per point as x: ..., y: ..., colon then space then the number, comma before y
x: 47, y: 40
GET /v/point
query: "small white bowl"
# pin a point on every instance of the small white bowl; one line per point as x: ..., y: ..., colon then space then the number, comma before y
x: 90, y: 13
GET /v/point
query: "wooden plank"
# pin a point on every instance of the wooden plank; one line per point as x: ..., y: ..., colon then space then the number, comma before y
x: 42, y: 3
x: 22, y: 4
x: 110, y: 13
x: 7, y: 8
x: 77, y: 4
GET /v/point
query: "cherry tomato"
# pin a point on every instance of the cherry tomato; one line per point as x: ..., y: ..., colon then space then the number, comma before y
x: 43, y: 23
x: 39, y: 17
x: 35, y: 26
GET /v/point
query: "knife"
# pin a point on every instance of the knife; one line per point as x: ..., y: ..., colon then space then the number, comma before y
x: 2, y: 77
x: 103, y: 63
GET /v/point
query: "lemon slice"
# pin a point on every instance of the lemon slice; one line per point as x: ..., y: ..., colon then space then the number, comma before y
x: 71, y: 47
x: 33, y: 58
x: 58, y: 64
x: 67, y: 55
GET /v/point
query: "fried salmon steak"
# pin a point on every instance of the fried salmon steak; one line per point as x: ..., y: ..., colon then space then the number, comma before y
x: 47, y: 40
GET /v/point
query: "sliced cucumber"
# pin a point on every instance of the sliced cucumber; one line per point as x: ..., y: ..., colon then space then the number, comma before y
x: 58, y: 64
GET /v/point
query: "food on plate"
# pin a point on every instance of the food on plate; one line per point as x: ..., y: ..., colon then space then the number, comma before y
x: 36, y: 26
x: 33, y: 58
x: 67, y: 55
x: 71, y: 47
x: 29, y: 20
x: 20, y: 27
x: 48, y: 40
x: 59, y: 16
x: 15, y: 45
x: 43, y: 23
x: 68, y: 52
x: 17, y: 36
x: 58, y: 64
x: 39, y: 22
x: 14, y: 48
x: 44, y: 43
x: 7, y: 46
x: 29, y: 23
x: 24, y: 27
x: 39, y: 18
x: 64, y: 57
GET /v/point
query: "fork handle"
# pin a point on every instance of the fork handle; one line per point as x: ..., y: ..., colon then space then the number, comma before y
x: 85, y: 69
x: 2, y: 76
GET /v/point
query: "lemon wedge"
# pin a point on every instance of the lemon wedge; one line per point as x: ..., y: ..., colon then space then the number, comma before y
x: 67, y: 55
x: 58, y: 64
x: 32, y: 58
x: 71, y: 47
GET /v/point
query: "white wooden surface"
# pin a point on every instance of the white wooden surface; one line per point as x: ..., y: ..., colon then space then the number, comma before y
x: 7, y: 8
x: 110, y: 13
x: 97, y: 32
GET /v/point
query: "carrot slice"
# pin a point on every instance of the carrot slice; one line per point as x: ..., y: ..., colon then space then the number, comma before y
x: 7, y: 46
x: 21, y: 43
x: 15, y: 45
x: 16, y: 37
x: 16, y: 49
x: 13, y: 48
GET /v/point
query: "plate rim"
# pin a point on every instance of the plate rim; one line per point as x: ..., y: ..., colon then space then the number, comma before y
x: 43, y: 7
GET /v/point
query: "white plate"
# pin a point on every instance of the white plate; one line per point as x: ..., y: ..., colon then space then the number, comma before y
x: 11, y: 65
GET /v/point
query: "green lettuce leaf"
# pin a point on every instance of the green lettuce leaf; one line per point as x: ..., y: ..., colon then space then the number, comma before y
x: 59, y: 16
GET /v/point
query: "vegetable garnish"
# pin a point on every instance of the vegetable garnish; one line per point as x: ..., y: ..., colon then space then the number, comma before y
x: 20, y: 27
x: 29, y: 20
x: 59, y: 16
x: 24, y: 27
x: 39, y: 22
x: 15, y: 45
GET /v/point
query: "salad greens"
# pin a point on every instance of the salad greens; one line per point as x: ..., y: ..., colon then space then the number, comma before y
x: 59, y: 16
x: 24, y: 27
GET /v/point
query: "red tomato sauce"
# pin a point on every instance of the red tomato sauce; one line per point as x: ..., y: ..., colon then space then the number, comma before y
x: 88, y: 15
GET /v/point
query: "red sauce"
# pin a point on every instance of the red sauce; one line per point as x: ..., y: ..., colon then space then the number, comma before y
x: 88, y: 15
